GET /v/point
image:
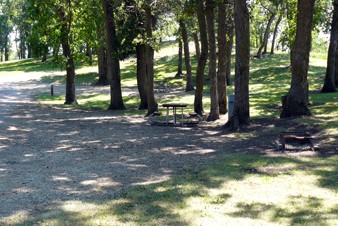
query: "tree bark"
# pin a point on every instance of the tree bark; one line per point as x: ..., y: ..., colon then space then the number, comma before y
x: 336, y: 68
x: 142, y: 75
x: 241, y: 114
x: 202, y: 61
x: 65, y: 39
x: 180, y: 59
x: 275, y: 34
x: 329, y: 81
x: 214, y: 109
x: 229, y: 41
x: 266, y: 36
x: 188, y: 75
x: 222, y: 50
x: 102, y: 66
x: 152, y: 105
x: 197, y: 45
x: 295, y: 103
x: 113, y: 63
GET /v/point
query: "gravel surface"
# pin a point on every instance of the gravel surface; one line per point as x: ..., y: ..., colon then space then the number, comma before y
x: 49, y: 156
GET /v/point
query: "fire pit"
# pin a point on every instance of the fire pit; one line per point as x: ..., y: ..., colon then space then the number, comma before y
x: 295, y: 141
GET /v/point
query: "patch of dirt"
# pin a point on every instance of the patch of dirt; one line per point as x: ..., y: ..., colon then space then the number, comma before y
x: 52, y: 155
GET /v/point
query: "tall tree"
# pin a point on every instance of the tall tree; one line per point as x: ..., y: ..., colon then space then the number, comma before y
x: 296, y: 103
x: 113, y: 63
x: 141, y: 74
x: 185, y: 40
x: 221, y: 74
x: 65, y: 16
x: 198, y: 102
x: 152, y: 105
x: 180, y: 58
x: 275, y: 31
x: 214, y: 105
x: 329, y: 81
x: 266, y: 35
x: 241, y: 114
x: 229, y: 40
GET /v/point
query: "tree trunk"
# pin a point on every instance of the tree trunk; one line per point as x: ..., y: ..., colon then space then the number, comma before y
x: 221, y: 75
x: 214, y: 109
x: 180, y: 59
x: 152, y: 105
x: 44, y: 54
x: 142, y: 75
x: 336, y: 68
x: 102, y: 66
x: 65, y: 39
x: 241, y: 114
x: 229, y: 42
x: 113, y: 63
x: 295, y: 103
x: 266, y: 36
x: 6, y: 53
x: 188, y: 75
x: 197, y: 45
x: 329, y: 81
x: 89, y: 52
x: 202, y: 61
x: 275, y: 34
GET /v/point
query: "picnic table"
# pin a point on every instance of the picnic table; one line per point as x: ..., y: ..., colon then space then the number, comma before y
x: 174, y: 106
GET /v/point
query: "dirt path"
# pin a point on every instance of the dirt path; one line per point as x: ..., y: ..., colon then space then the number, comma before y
x: 49, y: 156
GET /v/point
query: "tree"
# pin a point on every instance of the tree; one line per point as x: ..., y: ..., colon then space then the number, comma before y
x: 275, y: 31
x: 266, y: 35
x: 222, y: 62
x: 214, y: 105
x: 66, y: 17
x: 185, y: 40
x: 229, y: 40
x: 329, y: 81
x: 296, y: 103
x: 198, y: 101
x: 152, y: 105
x: 180, y: 58
x: 113, y: 63
x: 241, y: 114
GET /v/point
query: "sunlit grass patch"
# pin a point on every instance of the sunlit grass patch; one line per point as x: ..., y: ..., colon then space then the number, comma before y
x: 238, y: 189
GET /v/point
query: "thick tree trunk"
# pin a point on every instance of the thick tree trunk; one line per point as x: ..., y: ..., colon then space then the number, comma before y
x: 296, y: 103
x: 65, y: 39
x: 221, y: 75
x: 202, y: 61
x: 275, y: 34
x: 188, y: 75
x: 152, y: 105
x: 329, y: 81
x: 241, y: 114
x: 214, y: 109
x: 113, y: 63
x: 180, y: 59
x: 336, y: 69
x: 142, y: 75
x: 197, y: 45
x: 266, y: 36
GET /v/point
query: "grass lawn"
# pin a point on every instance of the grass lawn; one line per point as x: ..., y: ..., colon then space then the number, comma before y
x: 237, y: 189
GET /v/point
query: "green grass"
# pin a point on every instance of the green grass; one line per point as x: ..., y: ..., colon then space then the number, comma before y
x: 238, y: 189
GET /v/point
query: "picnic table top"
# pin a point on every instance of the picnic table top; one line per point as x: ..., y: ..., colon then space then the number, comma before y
x: 175, y: 105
